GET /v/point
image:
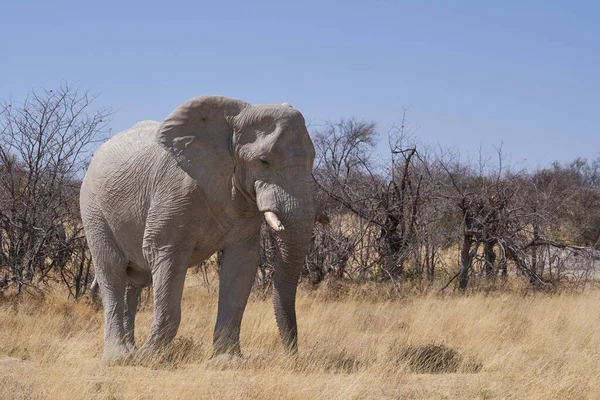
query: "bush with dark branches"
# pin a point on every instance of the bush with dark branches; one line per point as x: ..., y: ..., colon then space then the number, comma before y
x: 45, y: 143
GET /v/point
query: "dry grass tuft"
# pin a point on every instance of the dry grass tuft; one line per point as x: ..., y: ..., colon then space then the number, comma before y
x: 354, y: 343
x: 436, y: 359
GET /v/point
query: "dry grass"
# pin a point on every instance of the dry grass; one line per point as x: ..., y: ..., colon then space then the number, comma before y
x: 468, y: 347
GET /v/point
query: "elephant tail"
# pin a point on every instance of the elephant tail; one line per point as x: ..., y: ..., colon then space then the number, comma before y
x: 94, y: 289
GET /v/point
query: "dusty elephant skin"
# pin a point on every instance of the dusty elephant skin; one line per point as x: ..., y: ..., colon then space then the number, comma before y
x: 160, y: 197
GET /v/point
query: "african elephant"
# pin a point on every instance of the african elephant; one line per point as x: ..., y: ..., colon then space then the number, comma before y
x: 160, y: 197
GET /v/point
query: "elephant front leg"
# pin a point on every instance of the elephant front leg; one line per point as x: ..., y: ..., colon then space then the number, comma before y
x: 238, y: 270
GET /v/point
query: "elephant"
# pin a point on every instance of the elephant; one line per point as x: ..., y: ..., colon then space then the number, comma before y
x: 163, y: 196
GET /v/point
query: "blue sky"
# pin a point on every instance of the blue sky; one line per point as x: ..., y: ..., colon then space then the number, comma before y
x: 525, y: 74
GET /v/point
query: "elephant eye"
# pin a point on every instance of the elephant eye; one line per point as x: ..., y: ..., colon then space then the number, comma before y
x: 263, y: 161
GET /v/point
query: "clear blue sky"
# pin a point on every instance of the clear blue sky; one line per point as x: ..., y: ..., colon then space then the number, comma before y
x: 475, y: 73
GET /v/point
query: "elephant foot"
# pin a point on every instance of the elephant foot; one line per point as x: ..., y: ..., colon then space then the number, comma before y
x: 225, y: 345
x: 225, y: 361
x: 117, y: 355
x: 225, y: 355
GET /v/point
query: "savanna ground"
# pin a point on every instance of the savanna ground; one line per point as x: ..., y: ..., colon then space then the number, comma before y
x: 355, y: 343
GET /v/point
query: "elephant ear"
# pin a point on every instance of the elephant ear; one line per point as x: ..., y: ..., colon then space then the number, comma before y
x: 199, y: 135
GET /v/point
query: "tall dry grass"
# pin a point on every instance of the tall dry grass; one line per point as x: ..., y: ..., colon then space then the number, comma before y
x: 355, y: 346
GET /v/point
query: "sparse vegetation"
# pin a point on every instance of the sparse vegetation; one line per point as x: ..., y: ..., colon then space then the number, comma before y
x: 45, y: 142
x: 438, y: 277
x: 432, y: 218
x: 356, y: 344
x: 417, y: 218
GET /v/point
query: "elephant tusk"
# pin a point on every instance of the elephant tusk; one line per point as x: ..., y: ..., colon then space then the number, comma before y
x: 273, y: 221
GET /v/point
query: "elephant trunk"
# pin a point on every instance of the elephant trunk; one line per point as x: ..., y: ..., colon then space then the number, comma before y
x: 292, y: 216
x: 293, y: 245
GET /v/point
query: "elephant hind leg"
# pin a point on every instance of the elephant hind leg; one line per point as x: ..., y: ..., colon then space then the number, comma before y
x: 110, y: 271
x: 110, y: 265
x: 132, y: 296
x: 168, y: 283
x: 137, y: 279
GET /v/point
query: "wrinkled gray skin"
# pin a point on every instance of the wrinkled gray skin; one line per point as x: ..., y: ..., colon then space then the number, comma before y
x: 160, y: 197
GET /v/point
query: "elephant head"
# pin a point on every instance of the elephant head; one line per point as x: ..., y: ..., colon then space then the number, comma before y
x: 261, y: 158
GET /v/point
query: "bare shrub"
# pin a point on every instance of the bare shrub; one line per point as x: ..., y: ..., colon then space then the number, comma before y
x: 44, y: 145
x: 411, y: 212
